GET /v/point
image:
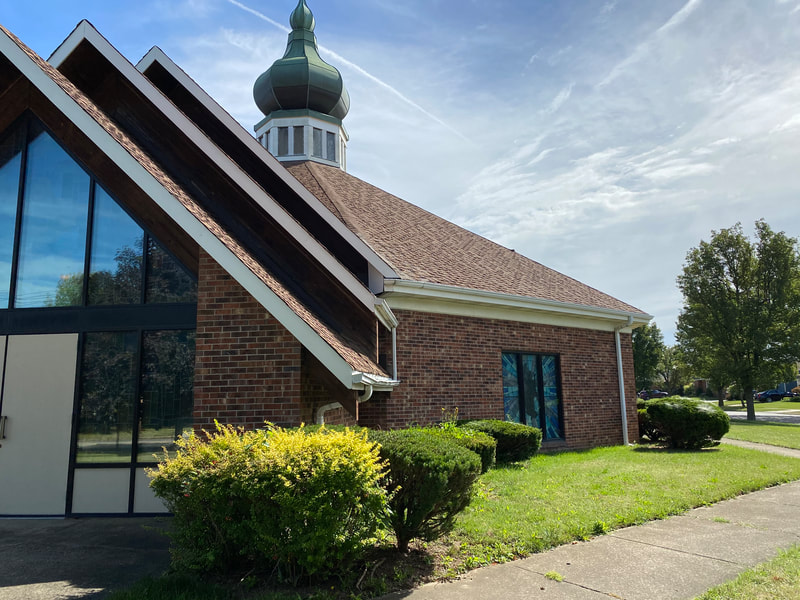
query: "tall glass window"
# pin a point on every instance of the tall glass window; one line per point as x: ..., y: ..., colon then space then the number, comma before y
x: 166, y: 391
x: 532, y: 392
x: 283, y: 141
x: 10, y: 161
x: 299, y: 141
x: 317, y: 139
x: 331, y: 145
x: 107, y: 397
x: 55, y: 208
x: 117, y: 259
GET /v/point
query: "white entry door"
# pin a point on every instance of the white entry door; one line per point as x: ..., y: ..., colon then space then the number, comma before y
x: 37, y: 398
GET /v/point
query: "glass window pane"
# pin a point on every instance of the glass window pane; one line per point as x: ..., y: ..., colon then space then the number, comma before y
x: 167, y: 280
x: 299, y: 146
x: 108, y: 388
x: 331, y: 137
x: 510, y: 388
x: 167, y: 376
x: 115, y: 273
x: 283, y: 141
x: 317, y: 135
x: 552, y: 403
x: 10, y: 158
x: 53, y: 236
x: 530, y: 387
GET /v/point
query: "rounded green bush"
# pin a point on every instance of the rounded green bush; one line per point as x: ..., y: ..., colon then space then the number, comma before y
x: 515, y: 441
x: 480, y: 443
x: 294, y: 502
x: 429, y: 482
x: 687, y: 423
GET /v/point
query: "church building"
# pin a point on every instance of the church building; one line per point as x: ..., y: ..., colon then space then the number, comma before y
x: 162, y: 268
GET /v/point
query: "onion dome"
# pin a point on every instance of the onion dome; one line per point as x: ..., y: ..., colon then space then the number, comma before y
x: 301, y: 80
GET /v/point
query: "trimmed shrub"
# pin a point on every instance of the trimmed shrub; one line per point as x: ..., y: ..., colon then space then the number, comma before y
x: 687, y: 423
x: 429, y: 482
x: 480, y: 443
x: 515, y: 441
x: 294, y: 502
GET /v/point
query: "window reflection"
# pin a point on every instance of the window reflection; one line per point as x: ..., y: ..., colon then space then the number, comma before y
x: 53, y: 234
x: 167, y: 385
x: 115, y: 272
x: 108, y: 388
x: 167, y: 280
x: 10, y: 158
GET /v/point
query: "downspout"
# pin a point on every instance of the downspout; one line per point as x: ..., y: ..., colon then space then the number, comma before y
x: 334, y: 405
x: 621, y: 378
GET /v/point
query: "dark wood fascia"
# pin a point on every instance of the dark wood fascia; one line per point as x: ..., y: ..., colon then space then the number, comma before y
x: 219, y: 133
x: 204, y: 181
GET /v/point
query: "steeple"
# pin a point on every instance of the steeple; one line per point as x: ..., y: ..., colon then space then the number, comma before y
x: 303, y: 99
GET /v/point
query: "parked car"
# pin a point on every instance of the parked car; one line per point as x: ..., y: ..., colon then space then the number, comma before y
x: 649, y: 394
x: 769, y: 396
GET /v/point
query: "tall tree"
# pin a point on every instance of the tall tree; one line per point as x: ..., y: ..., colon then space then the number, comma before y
x: 672, y: 369
x: 741, y: 301
x: 648, y: 344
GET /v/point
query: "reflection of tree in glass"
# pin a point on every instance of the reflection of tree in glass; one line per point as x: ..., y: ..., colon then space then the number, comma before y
x: 167, y: 281
x: 167, y: 380
x: 69, y: 291
x: 124, y: 285
x: 108, y: 382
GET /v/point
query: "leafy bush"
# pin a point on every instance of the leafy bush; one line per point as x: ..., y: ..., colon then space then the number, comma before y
x: 515, y: 441
x: 687, y: 423
x: 429, y: 482
x: 480, y: 443
x: 294, y: 502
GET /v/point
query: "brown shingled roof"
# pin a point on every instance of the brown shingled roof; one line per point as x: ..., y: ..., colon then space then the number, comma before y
x: 356, y: 359
x: 423, y: 247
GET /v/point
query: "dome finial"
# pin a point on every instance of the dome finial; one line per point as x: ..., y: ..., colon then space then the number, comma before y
x: 302, y: 17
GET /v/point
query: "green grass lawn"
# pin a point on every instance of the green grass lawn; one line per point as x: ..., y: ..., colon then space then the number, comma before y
x: 549, y: 500
x: 763, y: 406
x: 778, y: 579
x: 554, y: 499
x: 776, y: 434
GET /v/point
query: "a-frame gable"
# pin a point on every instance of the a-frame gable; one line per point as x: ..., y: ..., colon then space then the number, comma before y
x: 351, y: 367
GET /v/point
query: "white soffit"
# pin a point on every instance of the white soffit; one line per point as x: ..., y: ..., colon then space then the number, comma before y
x: 444, y: 299
x: 86, y: 32
x: 157, y: 55
x: 148, y: 183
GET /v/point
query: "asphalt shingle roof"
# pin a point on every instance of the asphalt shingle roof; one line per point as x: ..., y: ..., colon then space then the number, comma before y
x: 423, y: 247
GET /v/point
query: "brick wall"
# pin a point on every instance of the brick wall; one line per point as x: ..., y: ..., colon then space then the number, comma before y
x: 247, y: 365
x: 455, y: 362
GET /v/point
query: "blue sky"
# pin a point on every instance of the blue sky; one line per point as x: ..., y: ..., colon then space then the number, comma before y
x: 602, y: 139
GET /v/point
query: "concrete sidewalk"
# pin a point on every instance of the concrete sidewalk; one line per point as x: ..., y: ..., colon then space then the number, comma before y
x: 674, y: 559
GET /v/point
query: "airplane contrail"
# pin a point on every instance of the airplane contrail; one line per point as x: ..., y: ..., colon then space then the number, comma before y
x: 338, y: 58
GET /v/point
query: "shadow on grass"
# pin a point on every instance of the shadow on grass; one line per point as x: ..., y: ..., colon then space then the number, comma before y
x: 655, y: 448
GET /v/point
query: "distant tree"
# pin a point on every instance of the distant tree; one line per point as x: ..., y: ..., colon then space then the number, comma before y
x: 648, y: 344
x: 704, y: 361
x: 672, y: 370
x: 741, y: 300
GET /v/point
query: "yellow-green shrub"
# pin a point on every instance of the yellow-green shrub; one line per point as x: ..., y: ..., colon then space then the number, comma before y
x: 295, y: 502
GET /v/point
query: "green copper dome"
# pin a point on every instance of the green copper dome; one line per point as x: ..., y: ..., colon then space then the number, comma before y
x: 301, y: 79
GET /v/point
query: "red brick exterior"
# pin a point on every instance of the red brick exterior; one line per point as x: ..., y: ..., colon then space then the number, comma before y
x: 247, y: 366
x: 250, y: 369
x: 448, y: 362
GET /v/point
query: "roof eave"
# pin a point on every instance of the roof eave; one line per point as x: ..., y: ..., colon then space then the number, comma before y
x: 403, y: 293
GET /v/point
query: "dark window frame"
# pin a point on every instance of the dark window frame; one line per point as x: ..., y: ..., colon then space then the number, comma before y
x: 89, y: 318
x: 542, y: 413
